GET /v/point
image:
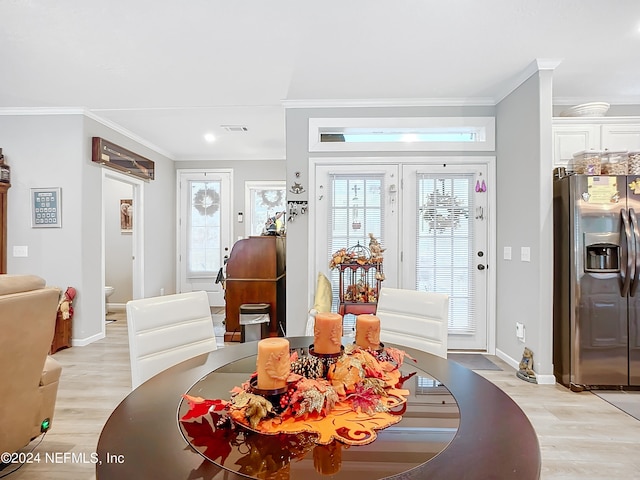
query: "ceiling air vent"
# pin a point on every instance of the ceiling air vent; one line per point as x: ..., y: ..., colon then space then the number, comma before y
x: 234, y: 128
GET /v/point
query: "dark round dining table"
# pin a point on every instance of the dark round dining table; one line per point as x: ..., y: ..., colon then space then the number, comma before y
x: 487, y: 437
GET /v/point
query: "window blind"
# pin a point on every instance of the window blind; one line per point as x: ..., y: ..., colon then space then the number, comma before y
x: 445, y: 244
x: 356, y: 209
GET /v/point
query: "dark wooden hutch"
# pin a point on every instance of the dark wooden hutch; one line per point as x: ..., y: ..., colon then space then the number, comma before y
x: 4, y: 187
x: 256, y: 273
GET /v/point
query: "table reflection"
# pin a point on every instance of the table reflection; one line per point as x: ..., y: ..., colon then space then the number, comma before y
x: 430, y: 419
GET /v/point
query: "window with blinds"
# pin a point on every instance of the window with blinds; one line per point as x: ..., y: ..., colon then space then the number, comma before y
x: 356, y: 209
x: 204, y: 229
x: 445, y: 246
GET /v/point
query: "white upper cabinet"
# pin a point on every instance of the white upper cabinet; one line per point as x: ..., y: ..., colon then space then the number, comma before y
x: 574, y: 134
x: 621, y: 137
x: 569, y: 139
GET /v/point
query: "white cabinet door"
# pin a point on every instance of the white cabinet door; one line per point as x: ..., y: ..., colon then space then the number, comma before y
x: 621, y: 137
x: 570, y: 139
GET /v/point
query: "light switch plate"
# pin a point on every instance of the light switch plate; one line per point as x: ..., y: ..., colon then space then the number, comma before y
x: 525, y: 254
x: 507, y: 253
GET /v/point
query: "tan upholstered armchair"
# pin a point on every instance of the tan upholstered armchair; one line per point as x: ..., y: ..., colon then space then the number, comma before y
x: 30, y: 376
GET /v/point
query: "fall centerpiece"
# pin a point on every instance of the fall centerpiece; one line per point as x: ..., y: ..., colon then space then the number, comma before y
x: 357, y: 394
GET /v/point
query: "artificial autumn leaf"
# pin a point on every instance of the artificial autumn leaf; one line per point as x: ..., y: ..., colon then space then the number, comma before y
x: 198, y: 406
x: 345, y: 374
x: 319, y: 384
x: 255, y: 407
x: 397, y: 355
x: 372, y: 367
x: 404, y: 378
x: 294, y: 356
x: 366, y: 400
x: 217, y: 442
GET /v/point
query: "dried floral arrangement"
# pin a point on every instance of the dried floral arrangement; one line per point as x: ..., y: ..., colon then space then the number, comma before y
x: 347, y: 399
x: 359, y: 254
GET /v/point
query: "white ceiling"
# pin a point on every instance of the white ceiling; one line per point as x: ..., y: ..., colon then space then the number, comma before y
x: 169, y: 71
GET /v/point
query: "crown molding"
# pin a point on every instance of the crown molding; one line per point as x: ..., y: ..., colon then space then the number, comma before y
x: 539, y: 64
x: 22, y: 111
x: 570, y: 101
x: 390, y: 102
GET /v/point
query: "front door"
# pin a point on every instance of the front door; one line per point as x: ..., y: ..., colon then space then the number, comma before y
x: 445, y: 239
x: 432, y: 221
x: 205, y: 230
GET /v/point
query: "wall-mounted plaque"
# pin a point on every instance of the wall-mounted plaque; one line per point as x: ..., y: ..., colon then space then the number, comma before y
x: 46, y: 208
x: 113, y: 156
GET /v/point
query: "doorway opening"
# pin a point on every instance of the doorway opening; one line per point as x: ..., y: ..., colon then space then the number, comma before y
x: 122, y: 240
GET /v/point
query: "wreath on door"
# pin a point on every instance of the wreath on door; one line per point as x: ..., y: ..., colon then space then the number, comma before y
x: 443, y: 211
x: 271, y: 198
x: 207, y: 202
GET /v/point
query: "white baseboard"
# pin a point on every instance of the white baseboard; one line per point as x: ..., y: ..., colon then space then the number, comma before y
x: 82, y: 342
x: 515, y: 364
x: 542, y: 379
x: 546, y: 379
x: 115, y: 307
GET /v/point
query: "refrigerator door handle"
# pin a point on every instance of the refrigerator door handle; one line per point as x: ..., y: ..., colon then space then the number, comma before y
x: 628, y: 266
x: 635, y: 234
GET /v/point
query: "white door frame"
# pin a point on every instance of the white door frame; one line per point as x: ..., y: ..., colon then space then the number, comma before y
x: 492, y: 258
x: 179, y: 204
x: 137, y: 234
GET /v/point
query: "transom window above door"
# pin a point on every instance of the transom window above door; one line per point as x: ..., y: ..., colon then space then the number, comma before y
x: 402, y: 134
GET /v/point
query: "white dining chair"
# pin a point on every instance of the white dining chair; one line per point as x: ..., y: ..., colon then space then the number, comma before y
x: 414, y: 319
x: 167, y: 330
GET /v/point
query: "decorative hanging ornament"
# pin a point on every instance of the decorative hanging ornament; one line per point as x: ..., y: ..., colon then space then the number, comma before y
x: 355, y: 224
x: 483, y: 187
x: 478, y: 186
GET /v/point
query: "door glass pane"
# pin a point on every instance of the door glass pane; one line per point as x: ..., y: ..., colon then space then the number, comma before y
x: 204, y: 229
x: 445, y: 244
x: 356, y: 210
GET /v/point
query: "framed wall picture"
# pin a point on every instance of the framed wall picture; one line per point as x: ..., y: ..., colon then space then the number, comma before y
x: 46, y: 208
x: 265, y: 202
x: 126, y: 215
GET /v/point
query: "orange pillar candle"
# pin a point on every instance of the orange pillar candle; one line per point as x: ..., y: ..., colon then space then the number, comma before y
x: 327, y: 333
x: 273, y: 363
x: 368, y: 331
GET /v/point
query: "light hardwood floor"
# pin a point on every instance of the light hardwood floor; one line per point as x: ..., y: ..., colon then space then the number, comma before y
x: 581, y: 436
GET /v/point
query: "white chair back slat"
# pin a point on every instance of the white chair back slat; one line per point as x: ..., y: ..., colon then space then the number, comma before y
x: 167, y: 330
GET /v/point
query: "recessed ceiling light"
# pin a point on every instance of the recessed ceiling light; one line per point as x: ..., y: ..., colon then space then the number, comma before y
x: 209, y: 137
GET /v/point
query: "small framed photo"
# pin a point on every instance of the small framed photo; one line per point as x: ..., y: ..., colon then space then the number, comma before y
x: 46, y: 208
x: 126, y: 215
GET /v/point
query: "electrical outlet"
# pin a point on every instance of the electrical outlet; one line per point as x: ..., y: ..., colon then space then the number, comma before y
x: 525, y: 254
x: 520, y: 331
x: 20, y: 251
x: 507, y: 253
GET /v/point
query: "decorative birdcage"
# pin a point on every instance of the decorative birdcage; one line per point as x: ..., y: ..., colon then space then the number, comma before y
x: 360, y: 277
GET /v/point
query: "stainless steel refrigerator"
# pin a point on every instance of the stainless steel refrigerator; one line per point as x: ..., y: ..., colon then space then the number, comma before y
x: 596, y: 275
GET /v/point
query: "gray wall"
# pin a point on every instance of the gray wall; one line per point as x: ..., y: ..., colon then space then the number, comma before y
x: 55, y: 151
x: 525, y: 218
